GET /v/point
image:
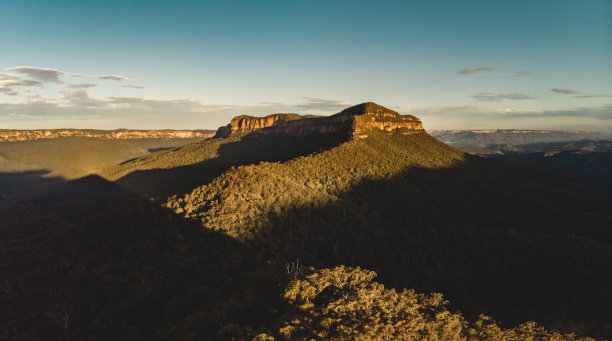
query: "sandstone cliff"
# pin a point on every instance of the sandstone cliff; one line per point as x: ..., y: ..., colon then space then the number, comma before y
x: 355, y: 121
x: 7, y: 135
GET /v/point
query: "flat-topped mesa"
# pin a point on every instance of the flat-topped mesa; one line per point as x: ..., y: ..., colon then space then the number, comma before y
x: 355, y: 121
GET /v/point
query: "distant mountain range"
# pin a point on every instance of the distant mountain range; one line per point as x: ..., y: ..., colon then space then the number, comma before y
x: 265, y: 232
x: 481, y: 139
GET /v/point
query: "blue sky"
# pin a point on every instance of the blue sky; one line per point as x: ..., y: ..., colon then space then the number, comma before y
x: 196, y: 64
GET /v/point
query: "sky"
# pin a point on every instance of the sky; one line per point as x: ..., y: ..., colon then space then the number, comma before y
x: 196, y: 64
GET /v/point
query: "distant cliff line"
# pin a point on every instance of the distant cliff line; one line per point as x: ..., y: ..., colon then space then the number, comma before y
x: 9, y: 135
x: 483, y: 137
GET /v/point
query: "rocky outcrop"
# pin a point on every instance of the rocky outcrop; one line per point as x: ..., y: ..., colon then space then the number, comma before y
x: 355, y: 121
x: 23, y: 135
x: 247, y: 124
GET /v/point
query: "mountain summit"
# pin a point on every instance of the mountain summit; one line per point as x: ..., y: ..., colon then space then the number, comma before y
x: 355, y: 121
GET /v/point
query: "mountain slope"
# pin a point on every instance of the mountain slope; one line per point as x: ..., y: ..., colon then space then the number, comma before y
x: 247, y: 215
x: 426, y: 216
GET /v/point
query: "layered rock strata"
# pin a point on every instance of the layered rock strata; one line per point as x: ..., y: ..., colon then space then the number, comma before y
x: 355, y: 121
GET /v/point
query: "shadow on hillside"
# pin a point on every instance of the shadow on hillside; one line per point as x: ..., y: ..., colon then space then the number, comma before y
x: 86, y: 259
x: 153, y: 150
x: 492, y: 237
x: 594, y: 166
x: 248, y: 150
x: 13, y: 185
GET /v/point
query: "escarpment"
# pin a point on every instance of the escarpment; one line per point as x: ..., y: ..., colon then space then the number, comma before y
x: 246, y: 123
x: 7, y: 135
x: 355, y: 121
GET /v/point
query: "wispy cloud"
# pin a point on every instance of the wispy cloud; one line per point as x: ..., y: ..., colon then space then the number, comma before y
x: 132, y: 86
x: 597, y: 118
x: 112, y: 77
x: 307, y: 105
x: 102, y: 77
x: 521, y: 73
x: 8, y: 76
x: 80, y: 101
x: 81, y: 85
x: 576, y: 92
x: 470, y: 70
x: 476, y: 69
x: 592, y: 96
x: 313, y: 103
x: 39, y: 73
x: 78, y: 107
x: 491, y: 97
x: 565, y: 91
x: 48, y: 75
x: 6, y: 86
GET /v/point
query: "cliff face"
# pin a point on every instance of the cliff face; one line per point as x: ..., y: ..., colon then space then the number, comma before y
x: 355, y: 121
x: 23, y: 135
x: 247, y: 124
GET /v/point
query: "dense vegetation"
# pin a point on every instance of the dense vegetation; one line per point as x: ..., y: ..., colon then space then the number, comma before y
x: 343, y: 303
x: 86, y: 260
x: 428, y: 217
x: 268, y: 238
x: 180, y: 170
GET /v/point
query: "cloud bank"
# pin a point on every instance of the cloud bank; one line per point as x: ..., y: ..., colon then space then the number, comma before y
x: 39, y: 73
x: 6, y: 86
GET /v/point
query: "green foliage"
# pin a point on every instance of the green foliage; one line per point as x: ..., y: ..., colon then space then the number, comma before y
x: 426, y: 216
x: 180, y: 170
x: 239, y: 199
x: 345, y: 304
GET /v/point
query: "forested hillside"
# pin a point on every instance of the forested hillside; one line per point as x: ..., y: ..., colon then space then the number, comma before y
x: 267, y: 235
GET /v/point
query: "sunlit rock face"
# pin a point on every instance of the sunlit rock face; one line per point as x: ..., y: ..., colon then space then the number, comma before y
x: 247, y: 124
x: 23, y: 135
x: 355, y: 121
x: 370, y: 115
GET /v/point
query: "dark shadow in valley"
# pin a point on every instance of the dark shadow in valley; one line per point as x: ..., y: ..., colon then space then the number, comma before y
x: 248, y: 150
x: 153, y: 150
x: 494, y: 237
x: 593, y: 166
x: 86, y: 259
x: 14, y: 185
